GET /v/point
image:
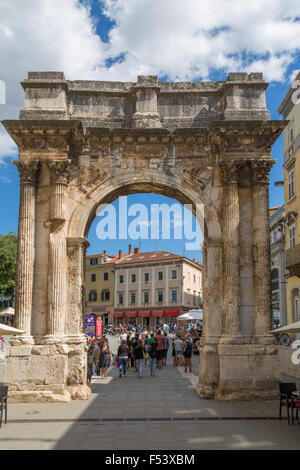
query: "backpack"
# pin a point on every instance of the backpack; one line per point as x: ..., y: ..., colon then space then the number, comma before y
x: 188, y: 347
x: 152, y: 352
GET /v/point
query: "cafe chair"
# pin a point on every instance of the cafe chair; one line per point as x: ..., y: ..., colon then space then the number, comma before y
x: 295, y: 406
x: 3, y: 403
x: 286, y: 398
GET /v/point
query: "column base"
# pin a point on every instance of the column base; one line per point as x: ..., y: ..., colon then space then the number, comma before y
x: 19, y: 340
x: 237, y: 369
x: 53, y: 372
x: 78, y: 392
x: 52, y: 339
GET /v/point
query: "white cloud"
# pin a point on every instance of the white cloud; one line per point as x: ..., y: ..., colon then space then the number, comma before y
x: 8, y: 147
x: 190, y: 39
x: 183, y: 40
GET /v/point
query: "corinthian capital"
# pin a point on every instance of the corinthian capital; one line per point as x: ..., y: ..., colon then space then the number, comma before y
x: 261, y: 170
x: 59, y: 170
x: 230, y: 172
x: 28, y: 171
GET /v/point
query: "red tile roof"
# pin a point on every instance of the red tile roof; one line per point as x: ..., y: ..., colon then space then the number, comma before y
x: 151, y: 256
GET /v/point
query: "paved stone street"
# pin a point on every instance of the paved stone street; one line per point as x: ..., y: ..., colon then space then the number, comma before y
x: 160, y: 412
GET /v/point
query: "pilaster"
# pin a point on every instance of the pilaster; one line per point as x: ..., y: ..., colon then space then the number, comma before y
x: 26, y: 250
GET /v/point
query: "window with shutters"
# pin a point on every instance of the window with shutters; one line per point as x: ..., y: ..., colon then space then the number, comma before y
x: 291, y: 183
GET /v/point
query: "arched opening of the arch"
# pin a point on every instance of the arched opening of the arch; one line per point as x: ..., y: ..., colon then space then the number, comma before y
x: 211, y: 288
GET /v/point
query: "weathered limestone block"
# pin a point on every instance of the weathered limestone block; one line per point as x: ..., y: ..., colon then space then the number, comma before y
x: 20, y: 351
x: 38, y: 396
x: 41, y: 350
x: 22, y: 370
x: 79, y: 392
x: 77, y: 365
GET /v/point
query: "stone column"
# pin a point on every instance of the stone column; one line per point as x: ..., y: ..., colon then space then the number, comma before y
x: 57, y: 270
x: 231, y: 249
x: 212, y: 293
x: 26, y: 251
x: 76, y: 250
x: 261, y: 247
x: 59, y: 171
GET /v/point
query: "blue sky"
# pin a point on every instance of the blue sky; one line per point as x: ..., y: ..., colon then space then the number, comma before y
x: 118, y: 39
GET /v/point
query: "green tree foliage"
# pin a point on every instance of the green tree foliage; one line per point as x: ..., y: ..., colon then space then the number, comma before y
x: 8, y: 261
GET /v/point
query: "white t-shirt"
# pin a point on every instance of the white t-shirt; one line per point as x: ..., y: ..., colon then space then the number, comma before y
x: 122, y: 337
x: 178, y: 345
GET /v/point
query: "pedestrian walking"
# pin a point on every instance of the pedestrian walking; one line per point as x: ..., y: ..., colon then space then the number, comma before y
x: 139, y: 356
x: 152, y: 355
x: 90, y: 363
x: 160, y: 349
x: 122, y: 357
x: 166, y: 348
x: 187, y: 353
x: 96, y: 352
x: 134, y: 342
x: 122, y: 337
x: 104, y: 358
x: 178, y: 345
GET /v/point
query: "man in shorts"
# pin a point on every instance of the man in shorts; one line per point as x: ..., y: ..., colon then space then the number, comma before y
x: 187, y: 352
x: 178, y: 344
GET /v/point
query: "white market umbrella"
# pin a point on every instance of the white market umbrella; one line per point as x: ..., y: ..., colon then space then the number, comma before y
x: 7, y: 311
x: 291, y: 328
x: 9, y: 330
x: 195, y: 314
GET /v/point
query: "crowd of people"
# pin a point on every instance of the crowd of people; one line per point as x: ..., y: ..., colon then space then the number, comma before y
x: 139, y: 348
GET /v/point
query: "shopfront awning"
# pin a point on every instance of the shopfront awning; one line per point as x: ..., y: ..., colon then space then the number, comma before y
x: 118, y: 315
x: 131, y: 314
x: 144, y: 313
x: 172, y: 313
x: 157, y: 313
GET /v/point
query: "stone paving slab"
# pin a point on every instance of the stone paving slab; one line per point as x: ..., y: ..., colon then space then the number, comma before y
x: 129, y: 404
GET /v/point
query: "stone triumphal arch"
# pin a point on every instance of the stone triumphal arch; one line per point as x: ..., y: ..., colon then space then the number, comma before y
x: 82, y: 143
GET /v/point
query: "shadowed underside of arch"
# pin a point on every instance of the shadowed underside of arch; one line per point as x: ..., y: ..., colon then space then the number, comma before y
x: 87, y: 143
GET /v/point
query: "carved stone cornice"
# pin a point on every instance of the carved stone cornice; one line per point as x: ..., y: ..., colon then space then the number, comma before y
x: 261, y: 170
x: 28, y: 171
x: 245, y: 136
x: 46, y: 135
x: 59, y: 171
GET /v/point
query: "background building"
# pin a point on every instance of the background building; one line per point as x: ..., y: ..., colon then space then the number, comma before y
x: 278, y: 271
x: 291, y: 145
x: 100, y: 284
x: 154, y: 287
